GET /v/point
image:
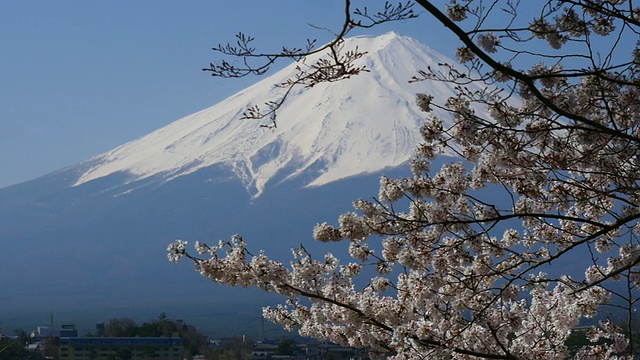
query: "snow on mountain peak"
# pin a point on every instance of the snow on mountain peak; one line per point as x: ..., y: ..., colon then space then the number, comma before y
x: 361, y: 125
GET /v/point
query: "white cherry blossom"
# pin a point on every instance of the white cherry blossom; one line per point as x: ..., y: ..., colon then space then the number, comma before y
x: 470, y: 260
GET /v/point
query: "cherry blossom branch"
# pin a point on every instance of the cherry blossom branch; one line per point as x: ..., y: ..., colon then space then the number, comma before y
x: 334, y: 67
x: 526, y: 80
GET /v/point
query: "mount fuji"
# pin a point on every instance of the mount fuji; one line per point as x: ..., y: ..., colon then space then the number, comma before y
x: 92, y: 237
x: 339, y: 130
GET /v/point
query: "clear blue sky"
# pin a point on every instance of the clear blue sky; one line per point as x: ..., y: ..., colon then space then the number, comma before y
x: 78, y: 78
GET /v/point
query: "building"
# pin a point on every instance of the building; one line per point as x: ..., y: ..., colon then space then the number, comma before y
x: 68, y: 330
x: 134, y: 348
x: 44, y: 332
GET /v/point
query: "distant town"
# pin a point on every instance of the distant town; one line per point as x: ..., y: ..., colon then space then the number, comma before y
x: 161, y: 338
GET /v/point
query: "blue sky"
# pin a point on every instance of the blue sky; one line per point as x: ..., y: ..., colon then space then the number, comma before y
x: 82, y: 77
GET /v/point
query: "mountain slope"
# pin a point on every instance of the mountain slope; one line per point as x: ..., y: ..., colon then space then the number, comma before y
x: 339, y: 130
x: 93, y: 236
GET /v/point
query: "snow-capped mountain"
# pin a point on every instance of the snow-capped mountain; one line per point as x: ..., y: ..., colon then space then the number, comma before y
x: 342, y: 129
x: 93, y: 236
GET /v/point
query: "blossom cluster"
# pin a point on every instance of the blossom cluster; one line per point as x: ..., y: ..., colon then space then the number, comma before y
x: 546, y: 179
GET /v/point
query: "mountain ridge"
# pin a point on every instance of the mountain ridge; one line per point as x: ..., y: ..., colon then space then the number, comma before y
x: 370, y: 116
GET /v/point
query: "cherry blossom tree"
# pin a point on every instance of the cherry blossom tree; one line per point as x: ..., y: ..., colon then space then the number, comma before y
x: 474, y: 266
